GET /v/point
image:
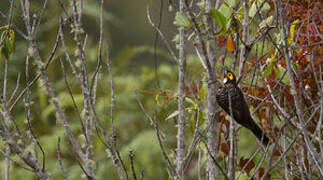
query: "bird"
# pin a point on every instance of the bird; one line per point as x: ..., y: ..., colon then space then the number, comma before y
x: 239, y: 106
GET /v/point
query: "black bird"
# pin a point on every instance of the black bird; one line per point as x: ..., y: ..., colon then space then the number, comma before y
x: 240, y: 110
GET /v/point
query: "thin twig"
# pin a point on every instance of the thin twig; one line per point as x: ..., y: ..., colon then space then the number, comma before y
x: 131, y: 156
x: 59, y: 159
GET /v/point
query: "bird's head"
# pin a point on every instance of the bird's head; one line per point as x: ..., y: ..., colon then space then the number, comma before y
x: 229, y: 77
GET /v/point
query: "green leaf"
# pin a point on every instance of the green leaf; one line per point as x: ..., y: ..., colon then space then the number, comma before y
x: 266, y: 22
x: 255, y: 5
x: 172, y: 115
x: 219, y: 18
x: 8, y: 43
x: 190, y: 101
x: 272, y: 59
x: 201, y: 4
x: 279, y: 71
x: 253, y: 9
x: 267, y: 71
x: 190, y: 36
x: 4, y: 50
x: 12, y: 41
x: 182, y: 21
x: 266, y: 7
x: 225, y: 10
x: 292, y: 31
x: 232, y: 3
x: 203, y: 92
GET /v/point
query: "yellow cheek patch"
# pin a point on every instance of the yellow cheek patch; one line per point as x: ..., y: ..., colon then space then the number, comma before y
x: 230, y: 76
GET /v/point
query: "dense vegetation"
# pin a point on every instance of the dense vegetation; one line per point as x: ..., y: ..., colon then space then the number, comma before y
x: 118, y: 90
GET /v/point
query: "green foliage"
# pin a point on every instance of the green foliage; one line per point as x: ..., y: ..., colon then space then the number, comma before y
x: 255, y: 7
x: 232, y: 3
x: 147, y: 152
x: 266, y: 22
x: 268, y: 70
x: 219, y: 18
x: 182, y: 21
x: 225, y: 10
x: 8, y: 42
x: 132, y: 72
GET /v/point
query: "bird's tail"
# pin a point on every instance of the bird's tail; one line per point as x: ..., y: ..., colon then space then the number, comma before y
x: 261, y: 136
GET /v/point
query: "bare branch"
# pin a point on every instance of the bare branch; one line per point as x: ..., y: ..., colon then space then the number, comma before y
x: 59, y: 159
x: 131, y: 156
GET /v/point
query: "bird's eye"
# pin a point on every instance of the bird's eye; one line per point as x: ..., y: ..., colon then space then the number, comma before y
x: 230, y: 76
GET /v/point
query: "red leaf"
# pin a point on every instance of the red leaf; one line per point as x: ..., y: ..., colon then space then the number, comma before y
x: 225, y: 148
x: 247, y: 163
x: 221, y: 41
x: 276, y: 152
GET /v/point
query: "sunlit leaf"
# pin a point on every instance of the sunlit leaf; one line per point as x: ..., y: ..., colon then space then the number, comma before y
x: 203, y: 92
x: 201, y: 4
x: 266, y: 7
x: 172, y: 115
x: 4, y: 28
x: 292, y: 31
x: 225, y: 10
x: 190, y: 36
x: 181, y: 20
x: 232, y: 3
x: 255, y: 7
x: 266, y: 22
x: 271, y: 59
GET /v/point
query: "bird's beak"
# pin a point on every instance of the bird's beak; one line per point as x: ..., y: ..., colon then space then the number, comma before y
x: 225, y: 80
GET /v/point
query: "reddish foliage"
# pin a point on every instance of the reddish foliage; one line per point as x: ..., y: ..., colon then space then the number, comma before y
x: 260, y: 173
x: 195, y: 89
x: 296, y: 146
x: 221, y: 41
x: 219, y: 158
x: 225, y: 148
x: 247, y: 163
x: 276, y: 152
